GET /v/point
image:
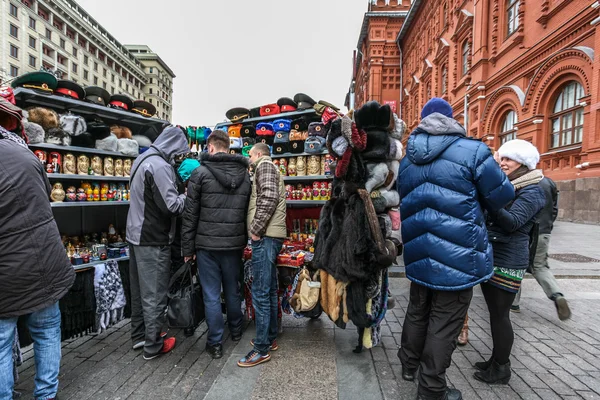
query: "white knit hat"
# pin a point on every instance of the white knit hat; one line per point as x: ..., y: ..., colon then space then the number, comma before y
x: 520, y: 151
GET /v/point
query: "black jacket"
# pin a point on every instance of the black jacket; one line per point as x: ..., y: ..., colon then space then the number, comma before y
x: 214, y: 217
x: 509, y: 228
x: 35, y: 271
x: 548, y: 215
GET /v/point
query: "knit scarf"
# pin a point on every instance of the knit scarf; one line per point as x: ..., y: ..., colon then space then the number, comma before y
x: 530, y: 178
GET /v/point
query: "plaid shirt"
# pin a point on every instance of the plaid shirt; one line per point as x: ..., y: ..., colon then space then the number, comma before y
x: 266, y: 179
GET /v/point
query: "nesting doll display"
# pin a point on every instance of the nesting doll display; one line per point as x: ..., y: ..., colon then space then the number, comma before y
x: 83, y: 165
x: 70, y: 164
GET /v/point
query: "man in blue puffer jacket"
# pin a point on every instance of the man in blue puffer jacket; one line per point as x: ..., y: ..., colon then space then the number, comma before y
x: 445, y: 181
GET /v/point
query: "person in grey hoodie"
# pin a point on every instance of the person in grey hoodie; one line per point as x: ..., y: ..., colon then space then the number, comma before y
x: 155, y: 204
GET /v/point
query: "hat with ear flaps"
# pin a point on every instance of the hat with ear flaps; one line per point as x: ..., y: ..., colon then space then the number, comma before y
x: 374, y: 116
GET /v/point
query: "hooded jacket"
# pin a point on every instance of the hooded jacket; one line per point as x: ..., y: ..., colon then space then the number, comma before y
x: 35, y: 271
x: 154, y: 200
x: 446, y: 181
x: 215, y: 209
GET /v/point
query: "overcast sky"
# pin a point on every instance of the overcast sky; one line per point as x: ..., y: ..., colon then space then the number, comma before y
x: 229, y: 53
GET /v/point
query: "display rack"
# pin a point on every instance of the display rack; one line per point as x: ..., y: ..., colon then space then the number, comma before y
x: 305, y: 178
x: 88, y: 204
x: 74, y: 177
x: 290, y: 155
x: 91, y: 264
x: 287, y: 115
x: 305, y: 203
x: 75, y: 149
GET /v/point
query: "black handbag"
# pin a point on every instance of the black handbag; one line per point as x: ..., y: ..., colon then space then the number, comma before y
x: 185, y: 303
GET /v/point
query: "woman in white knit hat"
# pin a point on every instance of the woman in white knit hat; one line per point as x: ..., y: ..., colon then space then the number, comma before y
x: 509, y: 232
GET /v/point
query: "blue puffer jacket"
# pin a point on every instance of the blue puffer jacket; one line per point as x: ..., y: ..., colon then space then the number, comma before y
x: 445, y: 182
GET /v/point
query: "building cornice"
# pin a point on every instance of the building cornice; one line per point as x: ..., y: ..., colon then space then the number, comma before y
x: 412, y: 12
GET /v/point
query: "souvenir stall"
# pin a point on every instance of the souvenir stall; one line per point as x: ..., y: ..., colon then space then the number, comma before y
x: 359, y: 227
x: 87, y: 141
x: 294, y: 130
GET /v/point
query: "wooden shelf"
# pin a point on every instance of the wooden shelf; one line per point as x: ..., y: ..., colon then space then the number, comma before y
x: 305, y: 203
x: 266, y: 118
x: 88, y: 177
x: 288, y: 155
x: 307, y: 178
x: 86, y: 203
x: 75, y: 149
x: 88, y: 265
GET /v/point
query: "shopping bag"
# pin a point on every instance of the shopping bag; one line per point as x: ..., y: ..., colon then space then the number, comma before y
x: 185, y: 303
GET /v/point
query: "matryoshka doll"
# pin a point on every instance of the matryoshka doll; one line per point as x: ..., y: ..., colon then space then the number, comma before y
x: 54, y: 163
x: 316, y: 191
x: 118, y: 167
x: 58, y: 193
x: 83, y: 165
x: 81, y: 196
x: 291, y: 169
x: 127, y: 167
x: 104, y: 192
x: 71, y: 193
x: 301, y: 166
x: 313, y: 165
x: 96, y: 192
x: 42, y: 156
x: 70, y: 164
x: 323, y: 186
x: 283, y: 167
x: 97, y: 166
x: 109, y: 167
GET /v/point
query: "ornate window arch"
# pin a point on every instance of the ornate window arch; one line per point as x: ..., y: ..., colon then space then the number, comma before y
x: 566, y: 115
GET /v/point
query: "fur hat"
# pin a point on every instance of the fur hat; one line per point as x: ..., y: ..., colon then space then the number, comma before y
x: 391, y: 197
x: 121, y: 132
x: 34, y: 132
x: 385, y: 222
x: 142, y: 140
x: 520, y: 151
x: 395, y: 149
x: 44, y: 117
x: 377, y: 174
x: 373, y: 116
x: 393, y: 167
x: 378, y: 145
x: 108, y: 143
x: 437, y: 105
x: 399, y: 128
x: 58, y: 136
x: 84, y: 140
x: 98, y: 129
x: 339, y: 146
x: 74, y: 125
x: 129, y: 147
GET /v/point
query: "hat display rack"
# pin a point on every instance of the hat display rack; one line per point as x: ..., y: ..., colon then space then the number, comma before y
x: 294, y: 130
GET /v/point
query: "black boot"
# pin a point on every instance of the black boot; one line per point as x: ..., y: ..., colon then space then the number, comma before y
x: 451, y: 394
x: 495, y: 374
x: 215, y: 351
x: 484, y: 365
x: 408, y: 374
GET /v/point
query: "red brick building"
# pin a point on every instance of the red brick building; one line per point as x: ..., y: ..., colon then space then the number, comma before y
x: 521, y: 69
x: 376, y: 74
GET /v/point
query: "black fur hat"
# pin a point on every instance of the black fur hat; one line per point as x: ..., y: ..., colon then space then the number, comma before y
x: 84, y: 140
x: 58, y: 136
x: 378, y: 146
x: 373, y: 116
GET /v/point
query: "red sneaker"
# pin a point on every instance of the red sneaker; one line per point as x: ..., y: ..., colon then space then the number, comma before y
x: 168, y: 346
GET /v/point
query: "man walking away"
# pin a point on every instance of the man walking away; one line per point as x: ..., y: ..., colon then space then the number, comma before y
x: 35, y: 272
x: 540, y: 268
x: 266, y: 222
x: 214, y: 229
x: 445, y: 181
x: 155, y: 204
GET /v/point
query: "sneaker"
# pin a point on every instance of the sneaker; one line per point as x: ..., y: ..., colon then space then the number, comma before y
x: 142, y: 343
x: 215, y: 351
x: 253, y: 358
x: 274, y: 346
x: 168, y: 345
x: 515, y: 309
x: 562, y: 308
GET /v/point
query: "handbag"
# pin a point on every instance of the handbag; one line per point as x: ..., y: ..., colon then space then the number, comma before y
x: 307, y: 297
x: 185, y: 303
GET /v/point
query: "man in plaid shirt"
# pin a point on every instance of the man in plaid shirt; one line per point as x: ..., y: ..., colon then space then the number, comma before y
x: 266, y: 222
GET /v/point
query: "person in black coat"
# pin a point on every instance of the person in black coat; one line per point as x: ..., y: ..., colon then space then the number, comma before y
x: 214, y: 230
x: 509, y: 232
x: 539, y: 267
x: 35, y: 272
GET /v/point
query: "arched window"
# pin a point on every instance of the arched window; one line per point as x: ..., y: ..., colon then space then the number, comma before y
x: 465, y: 57
x: 512, y: 16
x: 566, y: 120
x: 509, y: 131
x: 444, y: 78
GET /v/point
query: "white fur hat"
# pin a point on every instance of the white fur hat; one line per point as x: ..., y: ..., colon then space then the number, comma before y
x: 520, y: 151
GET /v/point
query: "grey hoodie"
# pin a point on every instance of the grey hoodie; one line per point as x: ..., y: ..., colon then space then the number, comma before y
x: 155, y: 201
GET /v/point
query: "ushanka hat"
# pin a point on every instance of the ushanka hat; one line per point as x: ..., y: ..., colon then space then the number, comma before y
x: 282, y: 125
x: 235, y: 143
x: 269, y: 109
x: 304, y: 101
x: 143, y: 108
x: 297, y: 146
x: 248, y: 130
x: 237, y: 114
x: 264, y: 129
x: 281, y: 148
x: 299, y: 124
x: 317, y: 129
x: 314, y: 145
x: 97, y: 95
x: 373, y: 116
x: 268, y: 140
x: 255, y: 112
x: 282, y: 137
x: 120, y: 102
x: 235, y: 131
x: 286, y: 105
x: 70, y: 90
x: 41, y: 82
x: 248, y: 141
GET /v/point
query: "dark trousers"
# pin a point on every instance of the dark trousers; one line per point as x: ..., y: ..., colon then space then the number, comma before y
x: 264, y: 291
x: 149, y: 272
x: 499, y: 302
x: 216, y: 269
x: 432, y: 323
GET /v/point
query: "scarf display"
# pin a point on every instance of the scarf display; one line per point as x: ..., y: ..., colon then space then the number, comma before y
x: 78, y: 306
x: 110, y: 295
x: 529, y: 178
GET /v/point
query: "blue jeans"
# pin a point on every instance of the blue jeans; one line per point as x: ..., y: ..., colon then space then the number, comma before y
x: 44, y: 327
x: 216, y: 269
x: 264, y: 291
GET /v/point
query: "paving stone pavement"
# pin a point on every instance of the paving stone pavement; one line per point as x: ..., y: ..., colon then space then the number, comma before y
x: 551, y: 359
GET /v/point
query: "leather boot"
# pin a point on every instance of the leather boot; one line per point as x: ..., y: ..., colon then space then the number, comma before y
x: 484, y: 365
x: 408, y: 374
x: 495, y: 374
x: 451, y: 394
x: 463, y: 338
